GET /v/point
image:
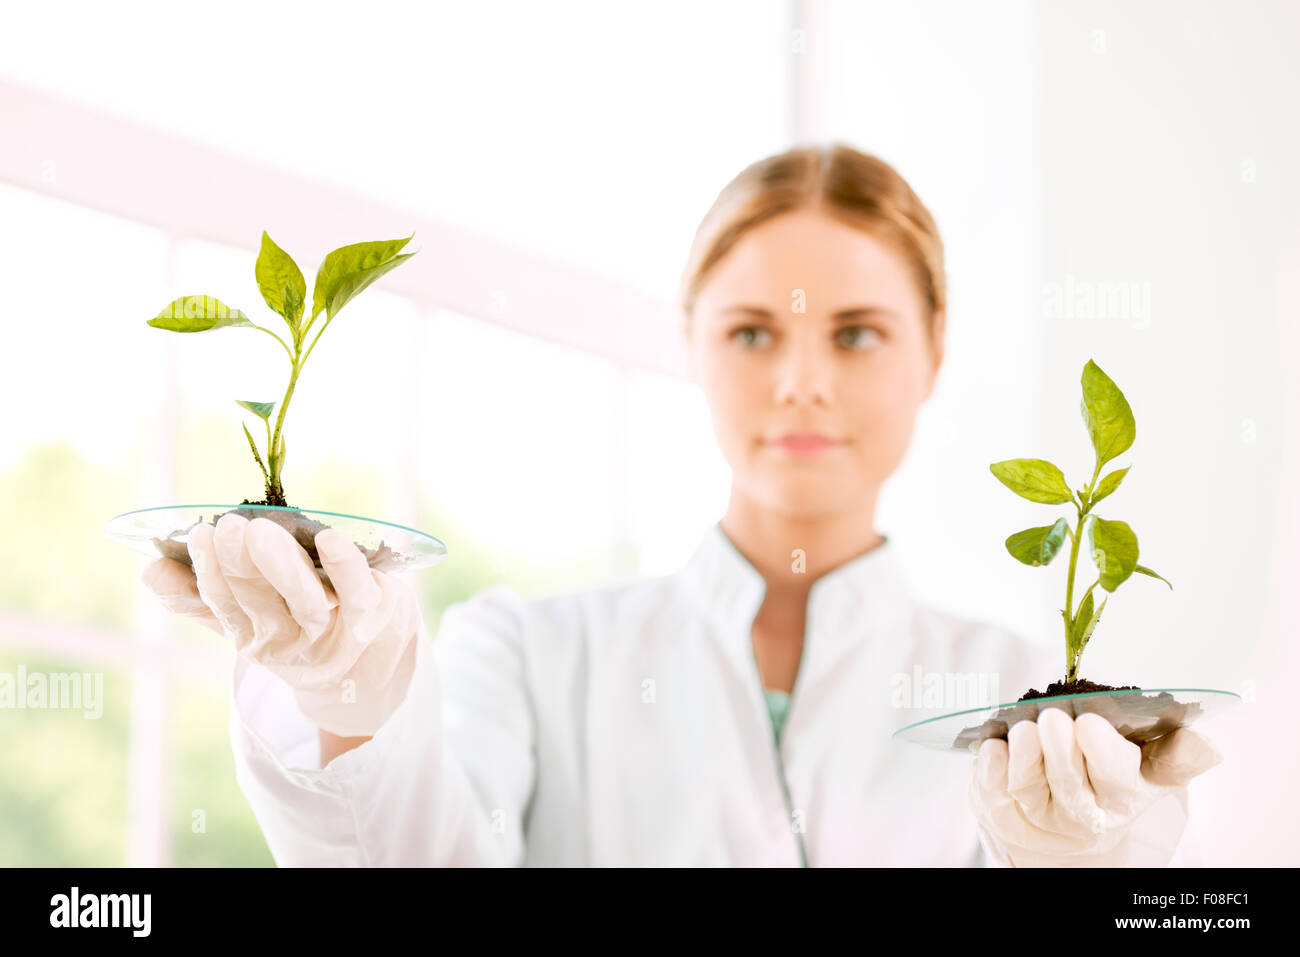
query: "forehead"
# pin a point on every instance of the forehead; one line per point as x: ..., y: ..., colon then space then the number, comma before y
x: 835, y: 264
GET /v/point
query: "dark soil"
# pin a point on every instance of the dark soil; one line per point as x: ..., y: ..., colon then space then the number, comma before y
x: 274, y: 496
x: 1077, y: 686
x: 1138, y: 718
x: 302, y: 528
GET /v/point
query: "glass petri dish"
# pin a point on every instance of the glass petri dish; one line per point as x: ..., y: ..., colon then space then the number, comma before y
x: 1140, y: 715
x: 164, y: 532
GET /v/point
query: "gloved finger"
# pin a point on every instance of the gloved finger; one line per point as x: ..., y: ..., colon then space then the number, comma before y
x: 361, y: 597
x: 274, y: 630
x: 213, y: 587
x: 177, y: 590
x: 1026, y: 780
x: 1175, y: 758
x: 1074, y: 804
x: 1001, y: 813
x: 1028, y: 783
x: 289, y: 570
x: 992, y: 803
x: 1113, y: 764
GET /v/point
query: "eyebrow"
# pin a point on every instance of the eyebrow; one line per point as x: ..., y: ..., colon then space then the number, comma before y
x: 842, y: 315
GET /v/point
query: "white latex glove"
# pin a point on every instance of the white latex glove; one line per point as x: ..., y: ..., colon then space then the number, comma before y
x: 1063, y: 792
x: 346, y: 646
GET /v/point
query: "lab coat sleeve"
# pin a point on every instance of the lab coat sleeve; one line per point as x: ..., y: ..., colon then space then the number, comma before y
x: 445, y: 780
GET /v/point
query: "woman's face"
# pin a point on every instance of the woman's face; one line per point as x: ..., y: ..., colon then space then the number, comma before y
x: 808, y: 325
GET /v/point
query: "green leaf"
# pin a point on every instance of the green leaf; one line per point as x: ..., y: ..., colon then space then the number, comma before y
x: 197, y: 314
x: 348, y: 270
x: 281, y: 281
x: 1034, y: 479
x: 1106, y: 413
x: 1107, y: 485
x: 260, y: 409
x: 1038, y: 546
x: 1114, y: 550
x: 1146, y: 571
x: 253, y: 445
x: 1088, y: 623
x: 1080, y: 620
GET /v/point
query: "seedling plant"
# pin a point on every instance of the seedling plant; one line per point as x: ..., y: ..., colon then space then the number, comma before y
x: 342, y: 276
x: 1112, y: 544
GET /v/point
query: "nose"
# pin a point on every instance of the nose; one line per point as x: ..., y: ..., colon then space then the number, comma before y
x: 803, y: 376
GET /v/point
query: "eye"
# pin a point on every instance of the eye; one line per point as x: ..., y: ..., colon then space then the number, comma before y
x: 859, y: 341
x: 740, y: 334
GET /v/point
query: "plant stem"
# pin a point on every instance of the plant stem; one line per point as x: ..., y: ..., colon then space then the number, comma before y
x: 1069, y: 599
x: 1090, y: 588
x: 304, y: 329
x: 297, y: 360
x: 273, y: 452
x: 1084, y: 508
x: 276, y: 338
x: 319, y: 333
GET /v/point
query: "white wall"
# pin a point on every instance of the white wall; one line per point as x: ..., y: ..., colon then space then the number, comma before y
x: 1166, y: 150
x: 1064, y: 147
x: 942, y: 90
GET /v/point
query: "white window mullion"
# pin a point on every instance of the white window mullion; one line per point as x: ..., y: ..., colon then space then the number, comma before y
x: 147, y: 832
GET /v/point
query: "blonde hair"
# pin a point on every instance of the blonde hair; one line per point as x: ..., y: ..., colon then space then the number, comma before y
x: 859, y: 189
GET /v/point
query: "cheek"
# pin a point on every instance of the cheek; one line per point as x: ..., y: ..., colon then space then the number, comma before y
x: 895, y: 387
x: 884, y: 408
x: 735, y: 397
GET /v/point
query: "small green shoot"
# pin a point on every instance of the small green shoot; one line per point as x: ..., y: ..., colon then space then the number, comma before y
x: 1112, y: 544
x: 342, y: 276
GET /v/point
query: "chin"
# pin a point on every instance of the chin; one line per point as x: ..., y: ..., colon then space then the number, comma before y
x: 808, y: 497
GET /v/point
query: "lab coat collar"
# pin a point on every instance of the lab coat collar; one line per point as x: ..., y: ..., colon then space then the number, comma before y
x: 861, y: 598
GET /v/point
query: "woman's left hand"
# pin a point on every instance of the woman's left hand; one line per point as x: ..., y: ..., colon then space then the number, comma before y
x: 1062, y: 792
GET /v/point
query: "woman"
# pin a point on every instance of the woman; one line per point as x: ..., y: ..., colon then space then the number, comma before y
x: 737, y: 712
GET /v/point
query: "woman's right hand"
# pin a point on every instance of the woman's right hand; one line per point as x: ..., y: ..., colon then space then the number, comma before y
x: 347, y: 646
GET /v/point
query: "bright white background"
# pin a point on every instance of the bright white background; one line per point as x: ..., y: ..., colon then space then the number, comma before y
x: 1060, y: 146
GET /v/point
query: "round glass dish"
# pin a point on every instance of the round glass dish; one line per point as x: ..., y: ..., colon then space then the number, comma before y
x: 165, y: 530
x: 1140, y: 715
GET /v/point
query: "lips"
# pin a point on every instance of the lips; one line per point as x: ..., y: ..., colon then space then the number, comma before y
x: 804, y: 441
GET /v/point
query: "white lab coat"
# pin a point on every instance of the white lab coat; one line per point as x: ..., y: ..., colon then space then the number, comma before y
x: 626, y: 725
